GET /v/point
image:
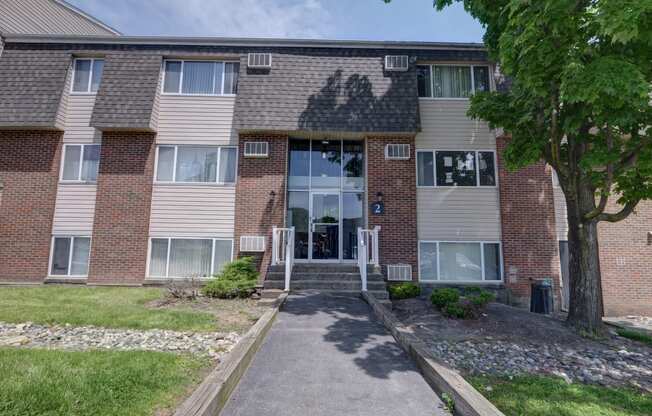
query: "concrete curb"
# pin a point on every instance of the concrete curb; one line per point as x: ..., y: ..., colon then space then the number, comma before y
x: 213, y: 393
x: 468, y: 401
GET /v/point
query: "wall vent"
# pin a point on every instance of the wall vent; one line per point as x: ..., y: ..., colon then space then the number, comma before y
x: 259, y: 60
x: 399, y: 272
x: 252, y: 243
x: 256, y: 149
x: 400, y: 151
x: 396, y: 63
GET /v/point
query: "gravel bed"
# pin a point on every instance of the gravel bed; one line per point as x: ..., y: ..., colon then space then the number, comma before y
x: 212, y: 344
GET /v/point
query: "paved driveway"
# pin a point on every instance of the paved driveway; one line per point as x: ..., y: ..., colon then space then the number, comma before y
x: 327, y: 355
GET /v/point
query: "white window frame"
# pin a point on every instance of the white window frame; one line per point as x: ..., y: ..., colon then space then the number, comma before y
x: 432, y: 80
x: 477, y: 168
x: 72, y: 249
x: 180, y: 91
x: 81, y: 163
x: 167, y: 260
x: 482, y: 260
x: 90, y: 76
x: 174, y: 166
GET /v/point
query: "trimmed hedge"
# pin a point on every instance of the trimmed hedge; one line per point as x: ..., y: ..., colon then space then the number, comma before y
x: 404, y: 291
x: 237, y: 280
x: 467, y: 305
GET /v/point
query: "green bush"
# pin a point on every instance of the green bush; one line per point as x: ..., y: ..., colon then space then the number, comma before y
x: 445, y: 296
x: 454, y: 310
x: 236, y: 280
x: 404, y: 291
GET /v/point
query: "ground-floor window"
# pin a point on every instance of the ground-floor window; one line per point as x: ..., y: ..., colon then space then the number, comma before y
x: 459, y: 261
x: 188, y: 257
x: 70, y: 256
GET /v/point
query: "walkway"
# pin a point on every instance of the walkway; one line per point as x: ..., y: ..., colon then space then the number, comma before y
x: 327, y: 355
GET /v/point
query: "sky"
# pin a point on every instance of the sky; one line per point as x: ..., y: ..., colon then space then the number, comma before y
x: 401, y: 20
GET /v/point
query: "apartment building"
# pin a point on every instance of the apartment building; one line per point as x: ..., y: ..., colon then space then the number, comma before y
x: 134, y: 160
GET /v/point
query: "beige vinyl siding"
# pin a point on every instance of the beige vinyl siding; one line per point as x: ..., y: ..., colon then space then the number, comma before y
x: 196, y: 120
x: 461, y: 213
x: 74, y: 211
x: 561, y: 222
x: 78, y: 117
x: 192, y: 211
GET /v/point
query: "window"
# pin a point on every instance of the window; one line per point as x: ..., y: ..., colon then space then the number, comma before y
x: 201, y: 77
x: 459, y: 261
x: 451, y: 81
x: 87, y: 75
x: 196, y: 164
x: 188, y: 257
x: 397, y: 151
x: 80, y: 162
x: 70, y: 256
x: 456, y: 168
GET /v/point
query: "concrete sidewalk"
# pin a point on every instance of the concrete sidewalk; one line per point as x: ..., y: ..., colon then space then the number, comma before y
x: 327, y: 355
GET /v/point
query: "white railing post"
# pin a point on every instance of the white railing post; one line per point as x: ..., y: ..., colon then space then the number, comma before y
x: 363, y: 257
x: 274, y: 246
x: 376, y: 252
x: 289, y: 256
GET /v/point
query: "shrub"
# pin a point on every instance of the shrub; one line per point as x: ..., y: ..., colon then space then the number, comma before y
x: 404, y: 291
x: 236, y: 280
x: 445, y: 296
x: 454, y: 310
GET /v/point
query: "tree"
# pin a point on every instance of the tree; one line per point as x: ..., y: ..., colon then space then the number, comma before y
x: 581, y: 73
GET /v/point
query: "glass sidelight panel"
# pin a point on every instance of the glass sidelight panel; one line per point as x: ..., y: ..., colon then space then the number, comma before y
x: 353, y: 165
x: 298, y: 217
x: 352, y: 218
x: 299, y: 166
x: 326, y: 161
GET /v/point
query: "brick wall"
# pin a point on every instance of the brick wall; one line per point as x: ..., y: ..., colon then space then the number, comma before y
x: 396, y: 179
x: 256, y: 210
x: 29, y: 172
x: 122, y: 208
x: 530, y: 247
x: 626, y: 263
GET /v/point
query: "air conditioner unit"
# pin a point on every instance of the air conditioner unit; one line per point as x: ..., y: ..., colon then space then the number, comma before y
x: 397, y: 151
x: 256, y: 149
x: 259, y: 60
x: 398, y: 63
x: 252, y: 243
x: 399, y: 272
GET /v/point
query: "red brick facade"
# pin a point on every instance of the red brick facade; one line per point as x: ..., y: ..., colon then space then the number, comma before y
x: 122, y: 209
x: 527, y: 212
x: 260, y: 194
x: 626, y: 263
x: 29, y: 173
x: 396, y: 179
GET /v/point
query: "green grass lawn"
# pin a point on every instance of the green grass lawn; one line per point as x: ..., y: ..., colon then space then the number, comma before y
x: 111, y: 307
x: 551, y: 396
x: 635, y: 335
x: 45, y: 382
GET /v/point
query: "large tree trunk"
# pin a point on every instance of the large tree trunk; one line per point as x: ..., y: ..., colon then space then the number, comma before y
x: 586, y: 307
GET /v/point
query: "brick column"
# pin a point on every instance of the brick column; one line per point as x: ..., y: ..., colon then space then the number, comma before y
x: 527, y: 212
x: 396, y: 179
x: 256, y: 209
x: 29, y: 174
x: 122, y: 209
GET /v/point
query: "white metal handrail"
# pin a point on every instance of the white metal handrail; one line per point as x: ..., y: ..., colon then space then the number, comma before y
x: 368, y: 252
x: 283, y: 251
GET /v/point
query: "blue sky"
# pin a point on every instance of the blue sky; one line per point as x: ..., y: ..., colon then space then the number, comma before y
x: 323, y: 19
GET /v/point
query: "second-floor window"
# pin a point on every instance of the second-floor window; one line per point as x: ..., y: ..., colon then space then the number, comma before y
x: 87, y: 75
x: 451, y: 81
x: 196, y: 164
x: 201, y: 77
x: 456, y: 168
x: 80, y: 162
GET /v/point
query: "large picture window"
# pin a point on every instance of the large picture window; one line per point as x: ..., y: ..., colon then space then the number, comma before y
x: 70, y: 256
x: 455, y: 168
x: 80, y: 162
x: 451, y: 81
x: 459, y: 261
x: 87, y: 75
x: 188, y: 257
x: 201, y: 77
x: 196, y: 164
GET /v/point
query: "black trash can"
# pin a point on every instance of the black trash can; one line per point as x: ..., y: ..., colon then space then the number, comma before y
x: 541, y: 297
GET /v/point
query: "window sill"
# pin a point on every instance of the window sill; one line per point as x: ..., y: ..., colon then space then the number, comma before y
x: 463, y: 282
x: 82, y: 93
x: 65, y: 279
x: 444, y: 99
x: 203, y: 184
x: 77, y: 183
x: 171, y: 94
x: 456, y: 187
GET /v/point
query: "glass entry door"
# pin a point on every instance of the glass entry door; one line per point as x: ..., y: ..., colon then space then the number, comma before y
x: 324, y: 226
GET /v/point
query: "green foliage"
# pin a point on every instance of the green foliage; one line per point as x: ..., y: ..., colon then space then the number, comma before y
x: 237, y: 280
x: 404, y: 291
x: 449, y: 402
x: 467, y: 306
x: 635, y: 335
x: 444, y: 296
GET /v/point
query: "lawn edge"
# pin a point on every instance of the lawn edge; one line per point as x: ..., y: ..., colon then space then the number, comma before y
x: 468, y: 401
x: 210, y: 397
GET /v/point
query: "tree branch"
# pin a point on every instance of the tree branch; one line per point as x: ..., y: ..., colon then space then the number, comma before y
x: 620, y: 215
x: 604, y: 196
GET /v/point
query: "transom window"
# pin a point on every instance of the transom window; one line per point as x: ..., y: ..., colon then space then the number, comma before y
x: 87, y: 75
x: 460, y: 261
x: 201, y: 77
x: 456, y: 168
x: 451, y: 81
x: 80, y: 162
x: 70, y: 256
x: 188, y: 257
x: 196, y: 164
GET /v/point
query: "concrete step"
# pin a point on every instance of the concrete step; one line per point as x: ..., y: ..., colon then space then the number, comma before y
x: 349, y: 277
x: 381, y: 295
x: 317, y: 268
x: 324, y: 285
